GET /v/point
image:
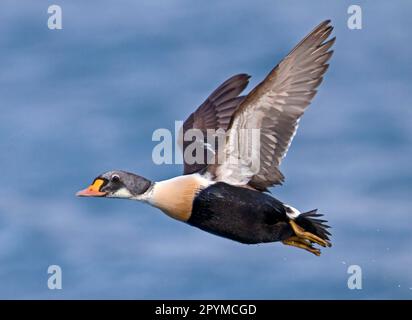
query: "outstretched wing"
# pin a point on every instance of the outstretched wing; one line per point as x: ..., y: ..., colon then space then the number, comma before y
x: 274, y: 107
x: 214, y: 113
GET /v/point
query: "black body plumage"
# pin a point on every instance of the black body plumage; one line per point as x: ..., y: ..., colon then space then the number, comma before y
x: 240, y: 214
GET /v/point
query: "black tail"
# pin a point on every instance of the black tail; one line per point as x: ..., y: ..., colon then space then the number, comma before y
x: 310, y: 222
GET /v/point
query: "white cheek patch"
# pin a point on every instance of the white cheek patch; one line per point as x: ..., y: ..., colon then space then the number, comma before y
x: 121, y: 193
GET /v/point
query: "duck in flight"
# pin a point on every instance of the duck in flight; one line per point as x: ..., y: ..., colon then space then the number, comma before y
x: 230, y: 199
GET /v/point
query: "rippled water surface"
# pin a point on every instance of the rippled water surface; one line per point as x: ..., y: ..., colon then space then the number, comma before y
x: 80, y: 101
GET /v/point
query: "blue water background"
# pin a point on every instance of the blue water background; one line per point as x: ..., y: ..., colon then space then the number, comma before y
x: 80, y: 101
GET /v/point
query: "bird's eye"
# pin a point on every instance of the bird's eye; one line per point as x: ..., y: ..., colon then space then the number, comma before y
x: 115, y: 178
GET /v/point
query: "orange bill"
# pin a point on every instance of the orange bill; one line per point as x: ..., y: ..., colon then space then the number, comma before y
x: 93, y: 190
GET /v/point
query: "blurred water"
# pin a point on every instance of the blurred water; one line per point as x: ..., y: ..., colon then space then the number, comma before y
x: 83, y: 100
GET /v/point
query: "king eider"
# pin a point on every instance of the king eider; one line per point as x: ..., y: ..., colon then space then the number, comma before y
x: 230, y: 198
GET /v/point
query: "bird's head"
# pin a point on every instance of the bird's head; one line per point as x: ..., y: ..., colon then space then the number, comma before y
x: 117, y: 184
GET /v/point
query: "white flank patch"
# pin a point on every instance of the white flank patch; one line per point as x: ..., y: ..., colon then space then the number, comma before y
x: 293, y: 214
